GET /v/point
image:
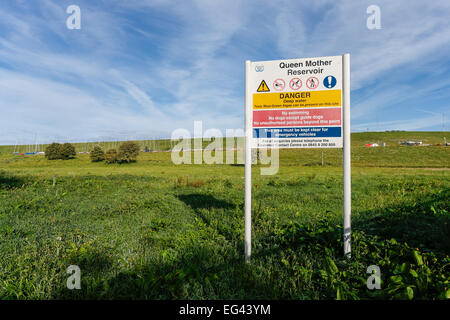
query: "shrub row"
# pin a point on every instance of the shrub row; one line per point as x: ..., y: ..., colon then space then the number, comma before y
x: 60, y: 151
x: 128, y: 152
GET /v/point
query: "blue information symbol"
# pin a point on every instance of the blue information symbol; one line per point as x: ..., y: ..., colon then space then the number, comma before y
x: 329, y: 82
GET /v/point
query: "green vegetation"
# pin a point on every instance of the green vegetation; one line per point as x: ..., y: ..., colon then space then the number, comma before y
x: 111, y: 156
x: 56, y: 151
x: 153, y: 230
x: 128, y: 151
x: 392, y: 139
x: 97, y: 154
x: 67, y: 151
x: 53, y: 151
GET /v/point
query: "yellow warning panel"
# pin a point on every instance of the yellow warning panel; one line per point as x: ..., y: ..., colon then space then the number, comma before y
x: 298, y: 99
x: 263, y: 87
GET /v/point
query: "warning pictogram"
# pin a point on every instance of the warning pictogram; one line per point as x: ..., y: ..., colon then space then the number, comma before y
x: 329, y: 82
x: 263, y: 87
x: 295, y: 83
x: 279, y: 84
x: 312, y: 82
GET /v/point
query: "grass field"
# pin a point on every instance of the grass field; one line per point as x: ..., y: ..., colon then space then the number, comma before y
x: 154, y: 230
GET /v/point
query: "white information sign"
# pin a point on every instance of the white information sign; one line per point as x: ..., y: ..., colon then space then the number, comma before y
x: 298, y: 103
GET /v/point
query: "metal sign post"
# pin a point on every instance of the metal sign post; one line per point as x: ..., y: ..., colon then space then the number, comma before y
x: 346, y: 155
x: 248, y: 164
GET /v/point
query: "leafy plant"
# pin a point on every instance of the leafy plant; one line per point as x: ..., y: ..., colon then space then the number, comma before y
x: 407, y: 272
x: 97, y: 154
x: 111, y: 156
x: 53, y: 151
x: 60, y: 151
x: 128, y: 151
x: 67, y: 151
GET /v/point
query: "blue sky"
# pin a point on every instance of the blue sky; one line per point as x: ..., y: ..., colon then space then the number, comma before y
x: 144, y: 68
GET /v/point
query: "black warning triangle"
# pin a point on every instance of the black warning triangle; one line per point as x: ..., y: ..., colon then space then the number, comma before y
x: 263, y: 87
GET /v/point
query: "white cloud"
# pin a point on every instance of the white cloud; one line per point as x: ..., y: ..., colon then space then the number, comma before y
x: 184, y: 62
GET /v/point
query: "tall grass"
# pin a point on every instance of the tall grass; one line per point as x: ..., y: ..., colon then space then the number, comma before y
x: 153, y: 230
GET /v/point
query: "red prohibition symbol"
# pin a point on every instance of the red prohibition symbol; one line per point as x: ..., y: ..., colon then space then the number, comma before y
x: 279, y: 84
x: 312, y: 82
x: 295, y: 83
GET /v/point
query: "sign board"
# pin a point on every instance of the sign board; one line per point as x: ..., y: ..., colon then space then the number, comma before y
x: 297, y: 103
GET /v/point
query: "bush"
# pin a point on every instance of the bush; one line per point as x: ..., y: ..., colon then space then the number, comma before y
x: 53, y: 151
x: 60, y: 151
x: 128, y: 151
x: 67, y: 151
x: 97, y: 154
x: 111, y: 156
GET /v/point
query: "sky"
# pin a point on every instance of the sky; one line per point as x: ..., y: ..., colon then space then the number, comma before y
x: 141, y: 69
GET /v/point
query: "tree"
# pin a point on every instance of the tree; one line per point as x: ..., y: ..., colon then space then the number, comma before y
x: 60, y: 151
x: 53, y: 151
x: 67, y: 151
x: 111, y: 156
x: 97, y: 154
x: 128, y: 151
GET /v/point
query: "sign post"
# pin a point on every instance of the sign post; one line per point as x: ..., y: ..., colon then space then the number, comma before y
x: 346, y: 156
x: 298, y: 103
x: 248, y: 163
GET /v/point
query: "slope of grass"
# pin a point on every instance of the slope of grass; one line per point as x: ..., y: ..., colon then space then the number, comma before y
x: 153, y: 230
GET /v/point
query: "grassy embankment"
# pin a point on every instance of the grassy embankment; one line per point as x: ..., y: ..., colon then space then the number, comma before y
x: 154, y: 230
